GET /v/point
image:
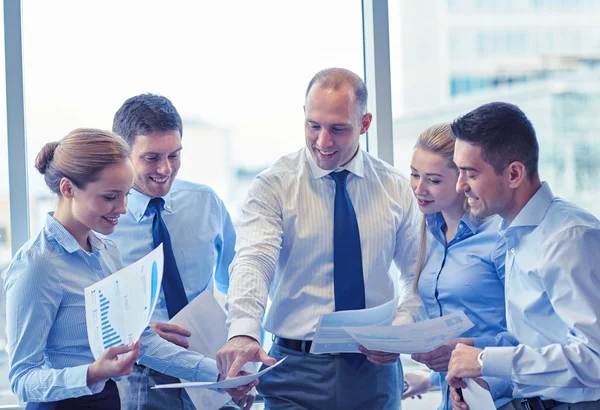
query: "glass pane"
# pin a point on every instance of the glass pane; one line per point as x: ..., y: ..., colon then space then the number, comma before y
x: 549, y: 67
x: 448, y: 57
x: 236, y: 71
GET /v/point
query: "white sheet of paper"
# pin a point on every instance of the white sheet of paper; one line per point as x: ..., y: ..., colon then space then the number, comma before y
x: 330, y: 336
x: 411, y: 338
x: 224, y: 384
x: 118, y: 308
x: 477, y: 397
x: 205, y: 319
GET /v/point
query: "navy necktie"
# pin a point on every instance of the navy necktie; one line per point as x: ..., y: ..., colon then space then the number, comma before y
x: 172, y: 285
x: 348, y: 281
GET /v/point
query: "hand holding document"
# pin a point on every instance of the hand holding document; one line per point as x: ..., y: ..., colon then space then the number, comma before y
x: 477, y: 397
x: 204, y: 318
x: 230, y: 383
x: 412, y: 338
x: 118, y: 308
x: 331, y: 337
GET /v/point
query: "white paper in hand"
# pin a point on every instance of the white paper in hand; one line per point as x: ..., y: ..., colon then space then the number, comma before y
x: 330, y: 336
x: 411, y: 338
x: 477, y: 397
x: 205, y: 320
x: 118, y: 308
x: 223, y: 384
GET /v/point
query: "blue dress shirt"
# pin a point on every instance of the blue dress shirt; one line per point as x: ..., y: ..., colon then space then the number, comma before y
x: 466, y: 275
x: 201, y: 231
x: 49, y: 351
x: 552, y: 304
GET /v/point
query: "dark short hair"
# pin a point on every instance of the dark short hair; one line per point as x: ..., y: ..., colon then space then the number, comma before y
x: 145, y: 114
x: 504, y: 134
x: 336, y: 78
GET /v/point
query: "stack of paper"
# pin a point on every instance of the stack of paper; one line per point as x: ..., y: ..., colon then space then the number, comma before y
x: 412, y: 338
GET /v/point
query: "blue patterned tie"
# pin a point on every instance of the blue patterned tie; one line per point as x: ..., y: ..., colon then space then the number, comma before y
x: 348, y: 281
x: 172, y: 286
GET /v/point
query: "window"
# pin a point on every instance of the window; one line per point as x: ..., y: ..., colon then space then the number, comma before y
x: 237, y: 73
x: 511, y: 60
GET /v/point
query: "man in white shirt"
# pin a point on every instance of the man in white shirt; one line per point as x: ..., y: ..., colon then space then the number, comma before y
x: 319, y: 231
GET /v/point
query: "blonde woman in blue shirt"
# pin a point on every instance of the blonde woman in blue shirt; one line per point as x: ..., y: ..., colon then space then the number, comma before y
x: 51, y: 363
x: 460, y: 262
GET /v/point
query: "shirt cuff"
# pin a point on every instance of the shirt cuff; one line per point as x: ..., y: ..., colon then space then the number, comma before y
x: 403, y: 318
x: 434, y: 378
x: 207, y: 371
x: 80, y: 378
x: 497, y: 362
x: 245, y: 327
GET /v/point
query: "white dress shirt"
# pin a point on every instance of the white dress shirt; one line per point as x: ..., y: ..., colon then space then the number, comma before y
x: 285, y: 245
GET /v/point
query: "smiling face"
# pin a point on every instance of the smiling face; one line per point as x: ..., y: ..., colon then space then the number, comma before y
x: 333, y: 125
x: 156, y: 159
x: 99, y: 206
x: 433, y: 181
x: 488, y: 193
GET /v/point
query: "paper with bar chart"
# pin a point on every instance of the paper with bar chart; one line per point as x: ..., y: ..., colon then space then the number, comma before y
x: 118, y: 308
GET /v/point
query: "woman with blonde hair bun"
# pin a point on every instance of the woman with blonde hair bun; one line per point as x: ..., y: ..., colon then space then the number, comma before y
x: 460, y: 264
x: 51, y: 364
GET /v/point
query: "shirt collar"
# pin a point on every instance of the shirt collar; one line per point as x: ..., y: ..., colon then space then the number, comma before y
x: 66, y: 240
x: 472, y: 222
x: 534, y: 210
x: 436, y: 221
x: 137, y: 203
x: 355, y: 166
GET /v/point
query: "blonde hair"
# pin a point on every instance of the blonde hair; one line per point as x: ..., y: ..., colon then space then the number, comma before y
x: 438, y: 140
x: 80, y: 157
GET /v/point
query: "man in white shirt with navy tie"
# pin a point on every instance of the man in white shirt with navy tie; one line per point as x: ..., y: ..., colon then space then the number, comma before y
x: 319, y: 232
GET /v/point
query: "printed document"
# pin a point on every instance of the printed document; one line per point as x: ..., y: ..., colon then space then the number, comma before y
x: 205, y: 319
x: 118, y: 308
x: 331, y: 337
x: 477, y: 397
x: 411, y: 338
x: 223, y: 384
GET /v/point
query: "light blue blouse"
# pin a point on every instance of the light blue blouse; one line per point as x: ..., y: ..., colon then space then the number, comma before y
x: 466, y: 275
x: 49, y: 351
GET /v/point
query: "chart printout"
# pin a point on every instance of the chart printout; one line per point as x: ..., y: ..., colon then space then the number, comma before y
x: 118, y: 308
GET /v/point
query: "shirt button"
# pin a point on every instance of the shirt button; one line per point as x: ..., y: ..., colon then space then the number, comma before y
x: 460, y: 226
x: 167, y: 207
x: 138, y: 214
x: 513, y: 250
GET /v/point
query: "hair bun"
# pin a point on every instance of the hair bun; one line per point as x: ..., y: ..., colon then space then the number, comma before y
x: 44, y: 157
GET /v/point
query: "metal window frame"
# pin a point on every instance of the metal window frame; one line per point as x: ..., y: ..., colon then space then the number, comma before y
x: 376, y: 46
x: 15, y: 125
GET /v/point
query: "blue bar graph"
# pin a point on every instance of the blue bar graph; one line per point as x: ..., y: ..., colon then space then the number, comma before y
x: 109, y: 335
